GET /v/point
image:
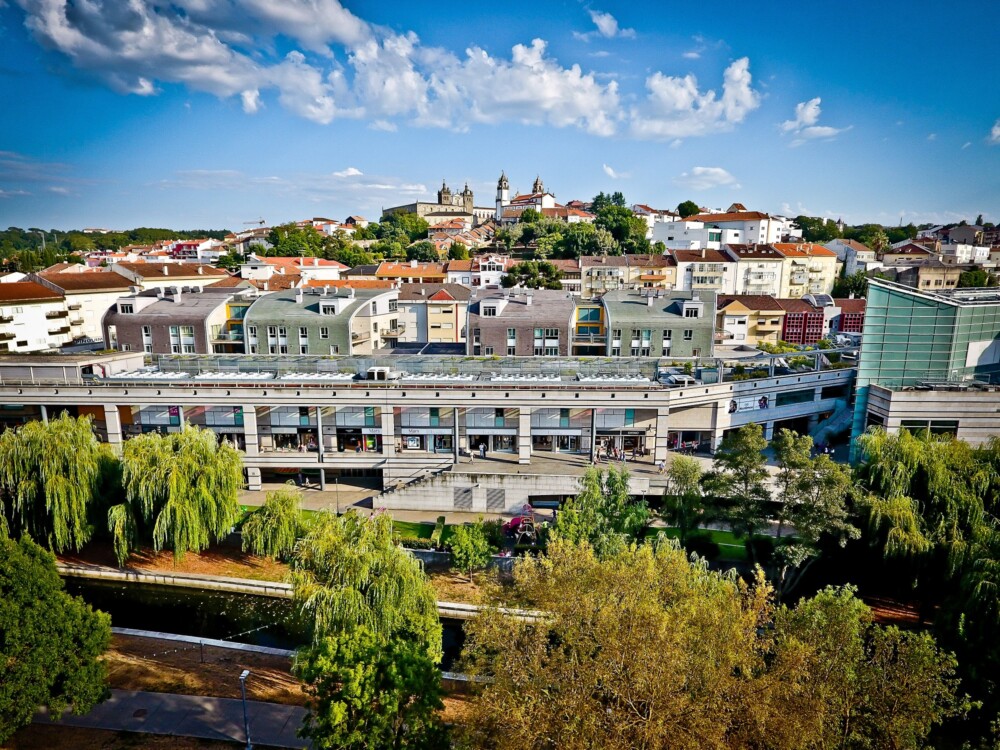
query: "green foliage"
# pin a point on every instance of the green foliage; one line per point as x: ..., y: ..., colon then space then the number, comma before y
x: 291, y: 240
x: 603, y: 200
x: 50, y: 642
x: 856, y: 284
x: 534, y: 275
x: 184, y: 486
x: 274, y: 528
x: 423, y: 251
x: 740, y: 478
x: 603, y: 513
x: 875, y: 238
x: 816, y: 229
x: 529, y: 216
x: 976, y: 278
x: 470, y: 548
x: 49, y: 478
x: 348, y: 572
x: 627, y: 229
x: 688, y: 208
x: 410, y: 226
x: 458, y: 251
x: 684, y: 504
x: 438, y: 531
x: 368, y: 692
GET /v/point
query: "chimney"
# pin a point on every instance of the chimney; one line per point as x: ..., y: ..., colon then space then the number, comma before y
x: 326, y: 289
x: 649, y: 300
x: 201, y: 270
x: 703, y: 252
x: 301, y: 261
x: 298, y: 295
x: 159, y: 293
x: 423, y: 292
x: 527, y: 298
x: 413, y: 263
x: 177, y: 294
x: 166, y: 271
x: 315, y: 261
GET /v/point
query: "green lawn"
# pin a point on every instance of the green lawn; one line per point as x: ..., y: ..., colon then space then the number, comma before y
x: 731, y: 547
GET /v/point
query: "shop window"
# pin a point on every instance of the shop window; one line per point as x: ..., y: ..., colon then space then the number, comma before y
x: 435, y: 417
x: 369, y: 416
x: 498, y: 418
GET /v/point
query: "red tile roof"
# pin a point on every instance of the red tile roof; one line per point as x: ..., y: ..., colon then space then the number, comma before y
x: 803, y: 250
x: 701, y: 256
x: 733, y: 216
x: 856, y: 305
x: 750, y: 301
x: 26, y: 291
x: 70, y: 281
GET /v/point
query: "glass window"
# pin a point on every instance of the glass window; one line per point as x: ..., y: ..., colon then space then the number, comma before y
x: 369, y: 416
x: 146, y: 331
x: 511, y: 333
x: 126, y: 309
x: 688, y: 334
x: 489, y: 312
x: 324, y: 332
x: 498, y: 417
x: 303, y: 332
x: 393, y: 305
x: 435, y: 417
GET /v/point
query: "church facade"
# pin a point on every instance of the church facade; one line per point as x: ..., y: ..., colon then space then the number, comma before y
x: 449, y: 206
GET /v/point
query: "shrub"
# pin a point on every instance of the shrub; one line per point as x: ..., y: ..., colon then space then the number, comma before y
x: 701, y: 544
x: 416, y: 542
x: 438, y: 531
x: 494, y: 533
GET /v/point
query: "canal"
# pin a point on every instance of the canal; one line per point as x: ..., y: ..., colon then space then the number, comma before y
x: 242, y: 618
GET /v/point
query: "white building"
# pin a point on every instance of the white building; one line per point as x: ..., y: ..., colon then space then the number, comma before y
x: 755, y: 227
x: 704, y: 269
x: 88, y: 295
x: 694, y: 235
x: 33, y: 318
x: 854, y: 255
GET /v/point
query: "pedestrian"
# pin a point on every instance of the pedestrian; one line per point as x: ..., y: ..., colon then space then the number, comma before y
x: 661, y: 466
x: 482, y: 451
x: 472, y: 457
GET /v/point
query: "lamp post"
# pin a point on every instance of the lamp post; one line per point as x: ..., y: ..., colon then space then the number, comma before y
x: 246, y: 718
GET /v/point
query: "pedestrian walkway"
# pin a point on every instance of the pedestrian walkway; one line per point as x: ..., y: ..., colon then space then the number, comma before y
x: 272, y: 724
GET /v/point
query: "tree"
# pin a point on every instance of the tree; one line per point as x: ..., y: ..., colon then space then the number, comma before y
x: 470, y: 549
x: 424, y: 251
x: 414, y: 227
x: 348, y: 572
x: 529, y: 216
x: 509, y: 236
x: 274, y: 528
x: 290, y: 240
x: 628, y: 229
x: 533, y: 275
x: 576, y: 240
x: 684, y: 503
x: 368, y: 692
x: 688, y: 208
x: 458, y: 251
x: 856, y: 284
x: 50, y: 642
x: 603, y: 200
x: 817, y: 229
x: 50, y: 475
x: 603, y: 513
x: 230, y: 261
x: 183, y: 486
x: 876, y: 239
x: 976, y: 278
x: 739, y: 476
x: 793, y: 454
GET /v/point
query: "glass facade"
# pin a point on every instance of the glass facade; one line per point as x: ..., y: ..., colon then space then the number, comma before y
x: 912, y: 337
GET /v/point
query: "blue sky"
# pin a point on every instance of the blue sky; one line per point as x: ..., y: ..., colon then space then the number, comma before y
x: 211, y: 113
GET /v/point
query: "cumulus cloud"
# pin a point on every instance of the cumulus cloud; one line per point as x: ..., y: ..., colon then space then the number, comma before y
x: 994, y: 137
x: 341, y: 66
x: 805, y: 127
x: 349, y: 172
x: 613, y: 173
x: 706, y: 178
x: 675, y: 108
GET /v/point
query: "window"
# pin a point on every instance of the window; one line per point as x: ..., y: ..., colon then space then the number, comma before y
x: 511, y: 351
x: 374, y: 308
x: 148, y: 348
x: 188, y: 348
x: 538, y: 351
x: 552, y: 351
x: 252, y: 331
x: 283, y: 349
x: 126, y: 347
x: 564, y: 417
x: 272, y: 331
x: 175, y: 332
x: 303, y: 332
x: 324, y: 332
x: 393, y: 305
x: 272, y: 349
x: 369, y: 416
x: 147, y: 331
x: 551, y: 333
x: 512, y: 333
x: 489, y: 312
x: 498, y: 418
x: 589, y: 315
x: 126, y: 309
x: 691, y: 312
x: 303, y: 348
x: 175, y: 348
x: 488, y: 350
x: 435, y: 417
x: 667, y: 333
x: 334, y: 349
x: 616, y: 351
x: 282, y: 331
x: 616, y: 333
x: 539, y: 332
x: 688, y: 334
x: 253, y: 348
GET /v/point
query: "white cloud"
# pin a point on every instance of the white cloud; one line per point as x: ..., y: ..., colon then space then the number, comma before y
x: 12, y: 193
x: 692, y: 55
x: 614, y: 174
x: 994, y: 138
x: 336, y: 65
x: 804, y: 127
x: 706, y: 178
x: 932, y: 136
x: 966, y: 145
x: 675, y: 108
x: 59, y: 190
x: 349, y: 172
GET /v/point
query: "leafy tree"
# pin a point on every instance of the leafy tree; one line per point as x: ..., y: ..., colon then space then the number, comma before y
x: 458, y: 251
x: 367, y: 692
x: 856, y: 284
x: 274, y: 528
x: 979, y: 220
x: 739, y: 476
x: 793, y: 454
x: 414, y: 227
x: 533, y: 274
x: 348, y: 572
x: 576, y: 240
x: 688, y: 208
x: 603, y: 513
x: 899, y: 234
x: 423, y: 251
x: 290, y: 240
x: 50, y: 475
x: 684, y: 504
x: 628, y: 230
x: 509, y: 236
x: 976, y: 278
x: 50, y: 642
x: 529, y: 216
x: 230, y: 261
x: 876, y: 239
x: 603, y: 200
x: 183, y: 486
x: 350, y: 256
x: 816, y: 229
x: 470, y: 548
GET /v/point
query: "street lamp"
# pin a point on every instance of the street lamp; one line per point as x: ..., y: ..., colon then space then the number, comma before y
x: 246, y: 718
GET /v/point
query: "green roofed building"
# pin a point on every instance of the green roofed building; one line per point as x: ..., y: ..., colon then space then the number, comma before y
x: 929, y: 360
x: 658, y: 323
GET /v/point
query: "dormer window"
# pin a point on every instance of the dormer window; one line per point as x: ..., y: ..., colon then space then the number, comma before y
x: 489, y: 312
x: 126, y: 308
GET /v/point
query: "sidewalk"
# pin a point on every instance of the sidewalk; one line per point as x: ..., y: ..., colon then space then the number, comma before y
x: 271, y: 724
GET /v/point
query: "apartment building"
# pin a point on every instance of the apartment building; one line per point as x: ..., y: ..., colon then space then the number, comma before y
x: 759, y: 270
x: 433, y: 313
x: 89, y: 294
x: 524, y: 323
x: 654, y: 323
x: 706, y: 270
x: 33, y: 318
x: 808, y: 269
x: 749, y: 319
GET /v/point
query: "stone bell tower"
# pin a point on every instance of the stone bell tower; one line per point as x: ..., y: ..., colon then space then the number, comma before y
x: 503, y: 194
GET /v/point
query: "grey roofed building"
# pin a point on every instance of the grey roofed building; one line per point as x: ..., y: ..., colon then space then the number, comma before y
x: 365, y: 271
x: 323, y: 320
x: 541, y: 321
x: 173, y: 320
x: 655, y: 323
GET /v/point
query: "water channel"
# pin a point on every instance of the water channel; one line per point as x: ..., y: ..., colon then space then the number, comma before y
x: 243, y: 618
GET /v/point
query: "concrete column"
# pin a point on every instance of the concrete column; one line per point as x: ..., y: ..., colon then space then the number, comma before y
x: 319, y: 438
x: 456, y: 414
x: 113, y: 425
x: 662, y: 441
x: 769, y: 431
x: 253, y: 479
x: 45, y: 414
x: 388, y: 432
x: 322, y: 477
x: 250, y: 439
x: 524, y: 435
x: 593, y: 435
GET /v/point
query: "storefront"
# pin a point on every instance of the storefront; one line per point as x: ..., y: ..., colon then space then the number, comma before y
x: 495, y: 441
x: 623, y: 440
x: 427, y: 439
x: 358, y: 439
x: 565, y: 441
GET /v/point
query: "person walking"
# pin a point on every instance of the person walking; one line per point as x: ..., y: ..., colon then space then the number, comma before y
x: 482, y: 451
x: 661, y: 466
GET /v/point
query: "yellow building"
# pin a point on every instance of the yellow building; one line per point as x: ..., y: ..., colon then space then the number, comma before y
x: 651, y: 272
x: 748, y: 319
x: 807, y: 269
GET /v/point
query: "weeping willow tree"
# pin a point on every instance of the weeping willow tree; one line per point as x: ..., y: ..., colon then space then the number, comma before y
x: 49, y: 479
x: 348, y: 572
x: 182, y: 487
x: 274, y: 528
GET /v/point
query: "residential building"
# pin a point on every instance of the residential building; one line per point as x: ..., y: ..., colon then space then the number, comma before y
x: 651, y: 271
x: 906, y: 253
x: 412, y: 272
x: 655, y: 323
x: 930, y: 273
x: 33, y: 318
x: 523, y: 323
x: 851, y: 318
x: 433, y: 313
x: 706, y: 270
x: 590, y: 329
x: 922, y: 356
x: 685, y: 234
x: 754, y: 226
x: 323, y: 320
x: 804, y: 322
x: 853, y: 255
x: 808, y: 269
x: 88, y: 296
x: 759, y: 269
x: 164, y: 274
x: 749, y: 320
x: 178, y: 320
x: 602, y: 273
x: 964, y: 254
x: 571, y: 277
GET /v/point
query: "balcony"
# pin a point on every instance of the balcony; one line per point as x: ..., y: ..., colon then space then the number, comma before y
x: 357, y: 338
x: 56, y: 331
x: 399, y: 330
x: 228, y: 336
x: 6, y: 336
x: 76, y: 321
x: 798, y: 278
x: 721, y: 336
x: 6, y: 318
x: 769, y: 324
x: 590, y: 338
x: 74, y: 306
x: 53, y: 314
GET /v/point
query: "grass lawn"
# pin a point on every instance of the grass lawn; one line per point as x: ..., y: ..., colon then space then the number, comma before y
x: 731, y: 547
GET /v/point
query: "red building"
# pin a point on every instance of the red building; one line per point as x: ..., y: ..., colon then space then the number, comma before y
x: 803, y: 323
x: 852, y: 315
